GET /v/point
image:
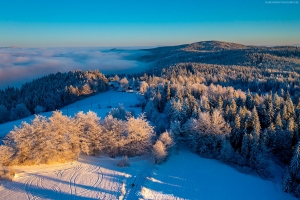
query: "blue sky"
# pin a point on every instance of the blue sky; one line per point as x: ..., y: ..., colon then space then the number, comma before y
x: 85, y: 23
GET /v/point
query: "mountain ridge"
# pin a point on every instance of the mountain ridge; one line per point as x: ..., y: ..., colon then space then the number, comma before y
x: 225, y: 53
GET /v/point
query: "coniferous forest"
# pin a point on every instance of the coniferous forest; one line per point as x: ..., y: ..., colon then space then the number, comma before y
x: 49, y: 93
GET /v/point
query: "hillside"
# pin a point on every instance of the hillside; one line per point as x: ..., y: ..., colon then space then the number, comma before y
x: 225, y: 53
x: 188, y: 176
x: 94, y: 178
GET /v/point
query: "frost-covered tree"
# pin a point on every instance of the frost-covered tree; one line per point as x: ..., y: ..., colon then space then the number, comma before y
x: 269, y: 117
x: 45, y: 140
x: 249, y: 101
x: 124, y: 83
x: 206, y: 133
x: 227, y: 151
x: 139, y: 134
x: 167, y: 92
x: 295, y: 162
x: 278, y: 122
x: 285, y: 114
x: 143, y: 87
x: 290, y: 107
x: 6, y: 154
x: 256, y: 125
x: 175, y: 110
x: 220, y: 104
x: 236, y: 133
x: 245, y: 150
x: 271, y: 136
x: 39, y: 109
x: 65, y: 137
x: 176, y: 129
x: 291, y: 179
x: 231, y: 110
x: 18, y: 112
x: 4, y: 114
x: 90, y: 133
x: 204, y: 104
x: 120, y: 112
x: 114, y: 135
x: 167, y: 139
x: 287, y: 183
x: 29, y: 141
x: 149, y: 109
x: 116, y: 78
x: 159, y: 102
x: 277, y: 101
x: 159, y: 151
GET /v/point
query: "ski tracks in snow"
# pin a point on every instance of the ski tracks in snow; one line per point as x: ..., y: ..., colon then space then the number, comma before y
x: 134, y: 187
x: 81, y: 180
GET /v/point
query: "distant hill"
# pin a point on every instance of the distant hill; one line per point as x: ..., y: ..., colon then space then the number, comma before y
x: 11, y: 47
x: 225, y: 53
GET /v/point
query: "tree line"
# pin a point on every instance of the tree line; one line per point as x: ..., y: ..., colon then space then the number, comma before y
x: 60, y: 138
x: 49, y: 93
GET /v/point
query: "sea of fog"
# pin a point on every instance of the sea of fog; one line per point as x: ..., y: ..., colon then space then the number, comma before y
x: 18, y: 65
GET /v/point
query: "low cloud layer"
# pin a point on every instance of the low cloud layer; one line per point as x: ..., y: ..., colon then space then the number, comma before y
x: 18, y: 65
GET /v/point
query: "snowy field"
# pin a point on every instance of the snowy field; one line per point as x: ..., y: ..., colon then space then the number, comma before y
x: 87, y: 178
x: 184, y: 176
x: 106, y: 99
x: 188, y: 176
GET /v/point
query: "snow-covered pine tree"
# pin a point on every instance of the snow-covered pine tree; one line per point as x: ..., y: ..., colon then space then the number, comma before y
x: 245, y: 150
x: 232, y: 111
x: 227, y: 152
x: 277, y: 101
x: 206, y: 133
x: 290, y: 107
x: 269, y: 117
x: 287, y: 183
x: 284, y: 114
x: 278, y: 121
x: 220, y: 104
x: 176, y: 130
x: 256, y: 125
x: 4, y: 114
x: 18, y: 112
x: 249, y: 101
x: 295, y: 162
x: 167, y: 92
x: 236, y: 133
x: 271, y: 137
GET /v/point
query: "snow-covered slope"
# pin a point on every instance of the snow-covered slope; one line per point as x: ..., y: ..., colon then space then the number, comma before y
x: 184, y: 176
x: 188, y: 176
x: 106, y: 99
x: 87, y: 178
